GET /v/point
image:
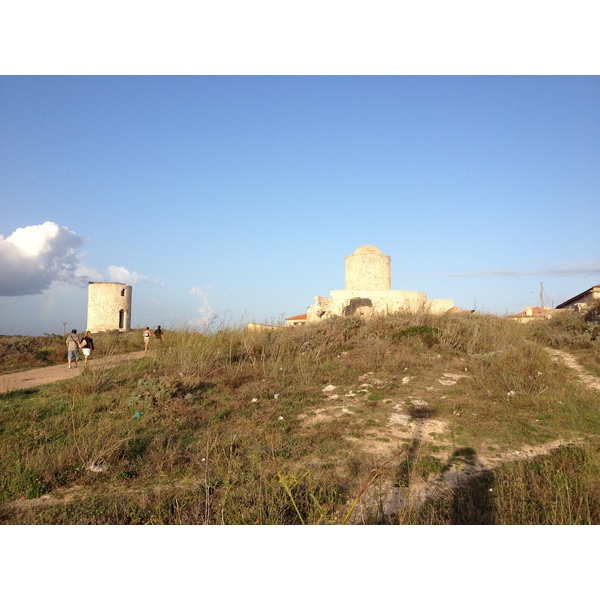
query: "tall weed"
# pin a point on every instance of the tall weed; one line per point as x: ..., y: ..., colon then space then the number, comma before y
x: 224, y: 425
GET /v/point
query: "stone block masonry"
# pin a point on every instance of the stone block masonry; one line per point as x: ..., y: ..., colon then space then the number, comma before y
x: 109, y: 306
x: 368, y: 269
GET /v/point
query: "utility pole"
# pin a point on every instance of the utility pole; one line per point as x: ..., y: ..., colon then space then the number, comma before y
x: 64, y: 329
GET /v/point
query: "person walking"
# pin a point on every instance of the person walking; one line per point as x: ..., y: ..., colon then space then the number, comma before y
x: 146, y: 338
x: 72, y: 348
x: 158, y: 334
x: 86, y: 345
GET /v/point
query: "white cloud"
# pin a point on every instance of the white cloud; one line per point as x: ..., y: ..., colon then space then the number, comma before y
x: 87, y: 273
x: 33, y: 257
x: 205, y: 311
x: 123, y: 275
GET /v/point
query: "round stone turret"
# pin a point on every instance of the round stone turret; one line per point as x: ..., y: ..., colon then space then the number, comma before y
x: 368, y: 269
x: 109, y: 306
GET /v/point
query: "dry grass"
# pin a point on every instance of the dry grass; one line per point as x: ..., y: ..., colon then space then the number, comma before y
x: 228, y: 425
x: 18, y: 353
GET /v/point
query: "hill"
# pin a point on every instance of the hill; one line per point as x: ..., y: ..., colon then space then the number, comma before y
x: 407, y: 419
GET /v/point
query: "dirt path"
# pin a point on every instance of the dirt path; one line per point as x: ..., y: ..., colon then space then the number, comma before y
x: 571, y: 362
x: 34, y: 377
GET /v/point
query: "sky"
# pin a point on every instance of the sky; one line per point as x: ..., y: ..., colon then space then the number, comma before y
x: 232, y: 199
x: 224, y: 161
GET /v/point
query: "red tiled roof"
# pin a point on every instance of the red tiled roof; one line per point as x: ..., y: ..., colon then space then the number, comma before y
x: 535, y: 310
x: 297, y: 318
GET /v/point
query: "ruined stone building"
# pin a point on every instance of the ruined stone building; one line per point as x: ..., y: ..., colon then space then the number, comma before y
x: 109, y: 307
x: 368, y: 282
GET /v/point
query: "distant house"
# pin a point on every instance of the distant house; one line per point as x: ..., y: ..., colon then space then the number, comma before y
x: 297, y: 320
x: 533, y: 314
x: 533, y: 311
x: 581, y: 301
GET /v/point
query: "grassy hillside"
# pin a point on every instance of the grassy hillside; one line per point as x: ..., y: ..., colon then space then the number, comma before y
x: 410, y: 419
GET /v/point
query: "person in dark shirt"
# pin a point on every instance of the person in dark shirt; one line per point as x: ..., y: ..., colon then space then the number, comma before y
x: 86, y: 345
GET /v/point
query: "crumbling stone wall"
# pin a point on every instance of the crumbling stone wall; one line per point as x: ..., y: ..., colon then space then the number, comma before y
x: 321, y: 309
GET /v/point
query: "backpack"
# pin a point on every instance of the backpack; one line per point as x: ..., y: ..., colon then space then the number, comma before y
x: 157, y: 333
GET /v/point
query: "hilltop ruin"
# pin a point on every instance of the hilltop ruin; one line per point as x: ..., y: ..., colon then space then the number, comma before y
x: 368, y: 283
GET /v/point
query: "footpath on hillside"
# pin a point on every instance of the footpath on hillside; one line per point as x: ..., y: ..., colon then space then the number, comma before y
x: 43, y: 375
x: 590, y: 380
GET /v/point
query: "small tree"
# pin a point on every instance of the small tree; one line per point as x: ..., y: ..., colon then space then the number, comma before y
x: 592, y: 314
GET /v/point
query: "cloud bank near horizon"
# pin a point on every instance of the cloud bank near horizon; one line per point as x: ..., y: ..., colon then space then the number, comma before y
x: 585, y: 268
x: 34, y: 257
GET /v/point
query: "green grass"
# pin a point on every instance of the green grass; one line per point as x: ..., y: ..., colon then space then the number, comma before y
x: 18, y: 353
x: 231, y: 426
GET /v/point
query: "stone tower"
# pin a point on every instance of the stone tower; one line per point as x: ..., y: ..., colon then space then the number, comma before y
x: 368, y: 269
x: 109, y: 306
x: 367, y: 293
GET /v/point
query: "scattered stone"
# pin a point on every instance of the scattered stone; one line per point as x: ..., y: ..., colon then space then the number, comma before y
x: 419, y: 402
x: 329, y: 388
x: 98, y: 468
x: 451, y: 378
x: 400, y: 419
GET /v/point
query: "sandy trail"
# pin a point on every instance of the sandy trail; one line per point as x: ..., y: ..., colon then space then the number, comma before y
x: 589, y: 380
x: 35, y: 377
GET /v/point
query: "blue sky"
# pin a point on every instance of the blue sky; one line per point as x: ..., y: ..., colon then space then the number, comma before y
x: 237, y: 198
